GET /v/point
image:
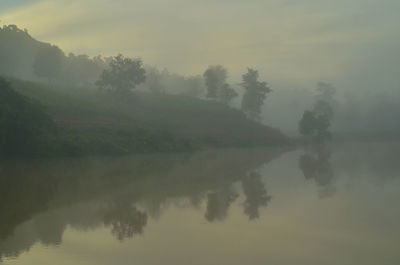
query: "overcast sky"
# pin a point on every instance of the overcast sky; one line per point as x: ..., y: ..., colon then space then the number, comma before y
x: 291, y: 42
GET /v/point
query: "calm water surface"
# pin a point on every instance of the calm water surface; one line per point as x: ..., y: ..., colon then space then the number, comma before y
x: 332, y: 205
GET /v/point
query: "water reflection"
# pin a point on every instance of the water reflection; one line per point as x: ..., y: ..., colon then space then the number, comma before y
x: 125, y: 220
x: 316, y: 166
x: 256, y: 195
x: 40, y: 200
x: 218, y: 203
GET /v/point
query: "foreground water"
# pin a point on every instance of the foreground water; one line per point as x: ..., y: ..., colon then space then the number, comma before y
x: 332, y: 205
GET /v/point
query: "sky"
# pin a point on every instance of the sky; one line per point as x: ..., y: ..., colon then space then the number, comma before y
x: 293, y: 43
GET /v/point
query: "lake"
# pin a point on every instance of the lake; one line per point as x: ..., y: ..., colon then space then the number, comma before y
x: 335, y: 204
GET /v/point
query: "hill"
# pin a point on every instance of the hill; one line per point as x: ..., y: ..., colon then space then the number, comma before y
x: 25, y: 128
x: 90, y: 121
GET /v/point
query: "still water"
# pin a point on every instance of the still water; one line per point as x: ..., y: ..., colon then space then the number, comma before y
x: 331, y: 205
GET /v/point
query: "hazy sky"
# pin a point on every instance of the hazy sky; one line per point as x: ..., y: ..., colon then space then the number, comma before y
x: 291, y: 42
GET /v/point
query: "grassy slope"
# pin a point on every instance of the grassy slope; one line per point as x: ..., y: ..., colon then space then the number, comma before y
x: 91, y: 112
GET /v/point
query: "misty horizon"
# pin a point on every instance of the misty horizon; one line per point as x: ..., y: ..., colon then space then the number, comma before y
x: 292, y: 43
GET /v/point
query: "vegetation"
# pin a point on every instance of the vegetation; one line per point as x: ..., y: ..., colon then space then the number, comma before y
x: 123, y: 75
x: 24, y: 126
x: 48, y: 62
x: 68, y: 116
x: 24, y: 57
x: 215, y: 78
x: 217, y: 88
x: 315, y: 123
x: 89, y: 122
x: 255, y: 94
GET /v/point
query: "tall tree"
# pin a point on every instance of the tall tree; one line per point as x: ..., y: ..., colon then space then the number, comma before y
x: 123, y: 75
x: 255, y: 94
x: 215, y: 78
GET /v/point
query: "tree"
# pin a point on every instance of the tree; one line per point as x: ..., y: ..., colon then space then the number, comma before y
x: 307, y: 123
x: 154, y: 80
x: 217, y: 88
x: 255, y: 94
x: 48, y: 62
x: 82, y: 70
x: 215, y: 78
x: 226, y: 94
x: 316, y: 122
x: 123, y: 75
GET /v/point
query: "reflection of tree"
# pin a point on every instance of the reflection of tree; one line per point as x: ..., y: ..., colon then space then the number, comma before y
x: 21, y: 195
x: 29, y: 188
x: 125, y: 220
x: 196, y: 200
x: 316, y: 166
x: 50, y: 228
x: 153, y: 207
x: 218, y: 203
x: 256, y: 195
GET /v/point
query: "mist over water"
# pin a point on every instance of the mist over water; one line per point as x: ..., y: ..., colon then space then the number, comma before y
x: 336, y: 205
x: 182, y: 132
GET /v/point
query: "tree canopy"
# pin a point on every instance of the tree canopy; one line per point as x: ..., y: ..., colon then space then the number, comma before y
x: 123, y: 75
x: 316, y: 122
x: 255, y: 94
x: 217, y: 87
x: 215, y: 77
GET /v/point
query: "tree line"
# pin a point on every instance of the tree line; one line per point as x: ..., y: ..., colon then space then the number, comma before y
x: 125, y: 74
x: 121, y: 74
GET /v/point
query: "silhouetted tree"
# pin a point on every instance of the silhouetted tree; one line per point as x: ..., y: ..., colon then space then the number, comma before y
x: 215, y: 78
x: 226, y: 94
x: 255, y: 94
x: 48, y: 62
x: 123, y: 74
x: 307, y: 125
x: 80, y: 69
x: 316, y: 122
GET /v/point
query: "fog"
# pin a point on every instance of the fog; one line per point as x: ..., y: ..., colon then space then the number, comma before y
x: 293, y: 45
x: 171, y: 132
